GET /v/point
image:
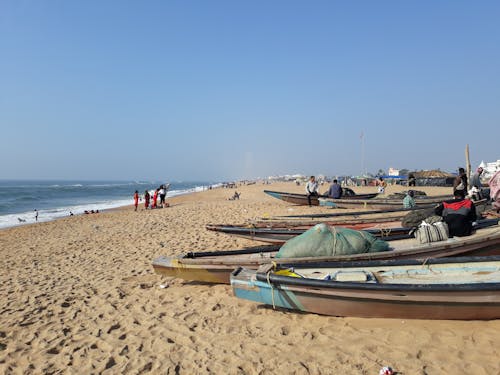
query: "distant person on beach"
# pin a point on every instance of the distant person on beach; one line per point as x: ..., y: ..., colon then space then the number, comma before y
x: 459, y: 213
x: 381, y: 185
x: 409, y: 200
x: 235, y: 196
x: 155, y: 198
x: 476, y: 184
x: 412, y: 181
x: 136, y: 199
x: 460, y: 182
x: 311, y: 189
x: 146, y: 199
x: 335, y: 190
x: 36, y: 214
x: 163, y: 193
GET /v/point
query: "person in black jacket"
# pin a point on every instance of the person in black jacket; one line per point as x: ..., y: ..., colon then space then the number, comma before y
x: 459, y: 213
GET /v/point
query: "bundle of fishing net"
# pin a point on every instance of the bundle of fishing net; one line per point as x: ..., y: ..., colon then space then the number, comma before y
x: 323, y: 240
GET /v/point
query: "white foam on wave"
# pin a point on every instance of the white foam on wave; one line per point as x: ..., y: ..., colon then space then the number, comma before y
x: 24, y: 218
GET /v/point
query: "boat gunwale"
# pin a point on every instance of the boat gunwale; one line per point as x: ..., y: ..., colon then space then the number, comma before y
x: 282, y: 280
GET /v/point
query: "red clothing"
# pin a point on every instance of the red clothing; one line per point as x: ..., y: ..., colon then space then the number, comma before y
x: 155, y: 198
x: 136, y: 199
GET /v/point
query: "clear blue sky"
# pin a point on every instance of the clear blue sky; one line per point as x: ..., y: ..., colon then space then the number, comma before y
x: 218, y: 90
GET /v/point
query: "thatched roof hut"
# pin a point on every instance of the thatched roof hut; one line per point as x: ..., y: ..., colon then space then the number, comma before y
x: 432, y: 174
x: 434, y: 178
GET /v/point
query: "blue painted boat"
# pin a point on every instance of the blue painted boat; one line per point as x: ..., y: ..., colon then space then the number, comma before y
x: 466, y: 288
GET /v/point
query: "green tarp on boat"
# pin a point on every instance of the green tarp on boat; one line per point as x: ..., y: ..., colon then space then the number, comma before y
x: 323, y: 240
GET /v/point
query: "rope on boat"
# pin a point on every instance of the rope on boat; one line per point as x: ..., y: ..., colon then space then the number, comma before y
x: 272, y: 289
x: 333, y: 229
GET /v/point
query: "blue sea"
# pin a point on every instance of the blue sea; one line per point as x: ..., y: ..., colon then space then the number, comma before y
x: 56, y: 199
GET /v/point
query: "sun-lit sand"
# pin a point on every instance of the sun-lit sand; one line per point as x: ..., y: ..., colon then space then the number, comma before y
x: 78, y: 295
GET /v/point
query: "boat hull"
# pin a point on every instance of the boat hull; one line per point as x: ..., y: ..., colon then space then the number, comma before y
x: 301, y: 199
x: 376, y: 204
x: 216, y: 267
x: 473, y: 301
x: 387, y: 231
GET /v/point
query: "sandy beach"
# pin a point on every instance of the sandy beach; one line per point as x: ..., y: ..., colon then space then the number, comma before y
x: 79, y: 295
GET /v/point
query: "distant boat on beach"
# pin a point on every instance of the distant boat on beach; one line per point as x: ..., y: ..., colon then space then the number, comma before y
x: 301, y: 199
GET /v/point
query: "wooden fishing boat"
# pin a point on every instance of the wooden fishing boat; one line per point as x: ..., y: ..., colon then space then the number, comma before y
x: 466, y: 288
x: 388, y: 230
x: 216, y: 266
x: 301, y: 199
x: 378, y: 203
x: 393, y: 212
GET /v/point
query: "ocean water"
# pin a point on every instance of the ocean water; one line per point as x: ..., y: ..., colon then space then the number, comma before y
x: 56, y: 199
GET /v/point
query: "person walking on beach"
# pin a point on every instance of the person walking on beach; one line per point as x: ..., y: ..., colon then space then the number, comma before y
x: 36, y: 214
x: 311, y: 189
x: 162, y: 194
x: 136, y: 199
x: 146, y: 199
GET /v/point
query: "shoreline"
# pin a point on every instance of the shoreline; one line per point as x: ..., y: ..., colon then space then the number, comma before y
x: 80, y: 208
x: 79, y: 295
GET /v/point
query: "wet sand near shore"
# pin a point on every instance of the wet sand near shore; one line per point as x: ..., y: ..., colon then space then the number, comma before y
x: 79, y: 295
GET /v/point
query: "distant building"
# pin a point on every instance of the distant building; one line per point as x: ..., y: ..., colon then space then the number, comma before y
x: 393, y: 172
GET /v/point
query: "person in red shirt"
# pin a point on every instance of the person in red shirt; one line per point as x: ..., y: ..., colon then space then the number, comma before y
x: 155, y: 198
x: 136, y: 199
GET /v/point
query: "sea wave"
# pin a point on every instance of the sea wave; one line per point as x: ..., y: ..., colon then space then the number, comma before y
x: 67, y: 200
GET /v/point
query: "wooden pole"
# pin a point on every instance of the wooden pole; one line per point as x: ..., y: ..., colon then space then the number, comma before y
x: 467, y: 164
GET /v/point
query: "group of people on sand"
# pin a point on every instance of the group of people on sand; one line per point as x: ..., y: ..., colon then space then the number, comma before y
x: 458, y: 213
x: 335, y: 191
x: 151, y: 200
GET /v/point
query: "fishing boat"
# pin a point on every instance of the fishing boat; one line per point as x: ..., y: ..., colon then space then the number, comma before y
x: 389, y: 230
x: 466, y: 288
x: 216, y: 266
x: 396, y: 212
x: 378, y: 203
x: 393, y: 212
x: 301, y: 199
